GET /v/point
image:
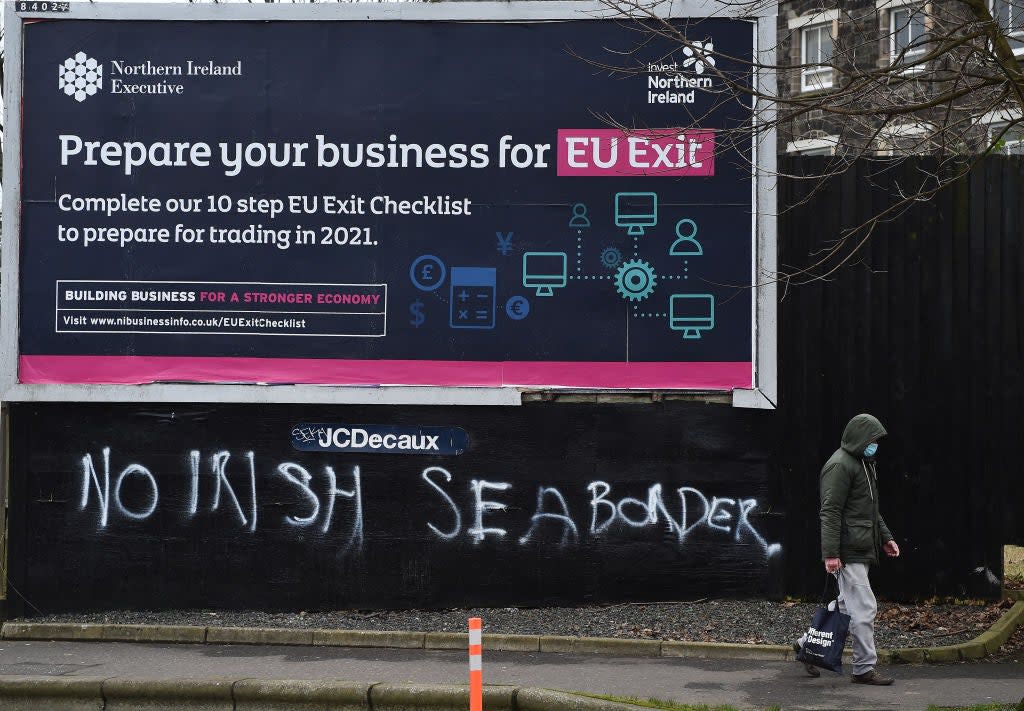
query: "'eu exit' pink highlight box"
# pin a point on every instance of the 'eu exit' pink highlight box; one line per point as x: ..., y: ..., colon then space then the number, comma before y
x: 653, y: 152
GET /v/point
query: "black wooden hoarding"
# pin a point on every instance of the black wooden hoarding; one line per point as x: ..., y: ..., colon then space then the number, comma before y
x: 922, y: 328
x: 211, y: 506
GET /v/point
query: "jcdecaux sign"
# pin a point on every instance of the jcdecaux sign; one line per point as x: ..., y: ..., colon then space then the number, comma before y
x: 349, y: 201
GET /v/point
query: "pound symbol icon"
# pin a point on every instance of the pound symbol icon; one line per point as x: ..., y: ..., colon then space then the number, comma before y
x: 427, y: 272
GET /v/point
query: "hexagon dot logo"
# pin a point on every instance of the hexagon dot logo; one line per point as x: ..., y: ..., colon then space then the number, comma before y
x: 80, y: 76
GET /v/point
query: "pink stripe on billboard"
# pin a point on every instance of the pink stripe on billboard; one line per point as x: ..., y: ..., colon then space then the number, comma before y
x: 138, y: 370
x: 653, y: 152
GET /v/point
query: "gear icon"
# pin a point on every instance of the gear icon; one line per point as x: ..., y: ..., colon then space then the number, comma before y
x: 635, y: 280
x: 611, y: 257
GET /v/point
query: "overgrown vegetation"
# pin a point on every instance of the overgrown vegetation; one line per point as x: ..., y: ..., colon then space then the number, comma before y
x: 1013, y: 566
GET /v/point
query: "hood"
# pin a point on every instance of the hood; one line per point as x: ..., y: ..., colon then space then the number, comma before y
x: 861, y: 431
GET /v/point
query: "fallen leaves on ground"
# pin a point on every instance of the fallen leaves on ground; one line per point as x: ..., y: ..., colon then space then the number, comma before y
x: 939, y: 620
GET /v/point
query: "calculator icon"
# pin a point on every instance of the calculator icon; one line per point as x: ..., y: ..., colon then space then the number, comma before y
x: 472, y: 297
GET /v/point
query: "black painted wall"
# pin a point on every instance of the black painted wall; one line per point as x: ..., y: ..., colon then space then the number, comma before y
x: 216, y: 553
x: 922, y: 329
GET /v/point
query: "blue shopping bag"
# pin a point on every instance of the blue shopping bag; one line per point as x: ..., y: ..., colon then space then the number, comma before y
x: 826, y: 635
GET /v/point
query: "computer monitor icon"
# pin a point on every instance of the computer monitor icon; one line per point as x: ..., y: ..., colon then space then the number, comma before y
x: 691, y: 314
x: 544, y: 271
x: 636, y: 211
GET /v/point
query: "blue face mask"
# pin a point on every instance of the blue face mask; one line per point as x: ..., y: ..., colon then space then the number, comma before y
x: 870, y: 450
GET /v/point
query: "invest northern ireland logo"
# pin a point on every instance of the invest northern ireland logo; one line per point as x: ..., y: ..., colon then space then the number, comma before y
x: 80, y: 76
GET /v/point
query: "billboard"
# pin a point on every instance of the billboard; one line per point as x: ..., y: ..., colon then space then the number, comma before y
x: 327, y: 200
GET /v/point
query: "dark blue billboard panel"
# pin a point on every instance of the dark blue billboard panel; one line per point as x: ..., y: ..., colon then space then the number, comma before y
x: 385, y: 202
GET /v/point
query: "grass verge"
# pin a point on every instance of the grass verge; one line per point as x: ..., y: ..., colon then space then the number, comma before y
x: 981, y: 707
x: 653, y: 703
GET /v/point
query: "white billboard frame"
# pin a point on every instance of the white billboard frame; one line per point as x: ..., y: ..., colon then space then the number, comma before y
x: 764, y: 319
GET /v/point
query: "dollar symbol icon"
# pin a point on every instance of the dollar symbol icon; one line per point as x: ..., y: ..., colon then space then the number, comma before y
x: 416, y: 309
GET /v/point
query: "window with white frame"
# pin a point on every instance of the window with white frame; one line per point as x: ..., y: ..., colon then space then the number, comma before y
x: 1005, y: 130
x: 817, y: 49
x: 903, y: 139
x: 1010, y: 16
x: 907, y: 30
x: 822, y: 146
x: 1011, y: 138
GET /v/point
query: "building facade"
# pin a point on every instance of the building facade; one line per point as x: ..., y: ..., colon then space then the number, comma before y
x: 826, y: 46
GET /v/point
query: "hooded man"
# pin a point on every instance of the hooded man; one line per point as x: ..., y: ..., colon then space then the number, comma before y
x: 852, y: 533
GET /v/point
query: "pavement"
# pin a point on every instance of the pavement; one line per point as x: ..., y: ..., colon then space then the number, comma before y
x: 741, y: 683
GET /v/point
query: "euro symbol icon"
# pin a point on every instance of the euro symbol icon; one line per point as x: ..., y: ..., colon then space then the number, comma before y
x: 517, y: 308
x: 426, y: 273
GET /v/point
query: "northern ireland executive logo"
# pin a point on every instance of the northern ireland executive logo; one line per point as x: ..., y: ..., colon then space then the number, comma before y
x: 80, y: 76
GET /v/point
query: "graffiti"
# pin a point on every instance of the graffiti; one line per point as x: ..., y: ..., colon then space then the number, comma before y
x: 90, y: 476
x: 478, y: 532
x: 298, y: 476
x: 447, y: 499
x: 308, y: 434
x: 714, y: 514
x: 561, y: 517
x: 223, y: 491
x: 568, y: 525
x: 218, y: 462
x: 719, y: 514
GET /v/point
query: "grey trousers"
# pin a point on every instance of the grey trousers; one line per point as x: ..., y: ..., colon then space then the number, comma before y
x: 857, y: 600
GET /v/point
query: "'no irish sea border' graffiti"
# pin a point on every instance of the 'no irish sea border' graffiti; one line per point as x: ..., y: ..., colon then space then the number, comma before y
x: 578, y: 513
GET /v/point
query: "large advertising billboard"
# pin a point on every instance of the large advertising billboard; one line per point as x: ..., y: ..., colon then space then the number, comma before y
x: 366, y: 202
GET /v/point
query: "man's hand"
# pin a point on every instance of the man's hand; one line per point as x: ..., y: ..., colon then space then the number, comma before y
x: 891, y: 549
x: 832, y: 565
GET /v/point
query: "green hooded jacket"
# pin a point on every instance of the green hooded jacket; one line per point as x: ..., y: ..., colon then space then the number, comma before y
x: 852, y: 528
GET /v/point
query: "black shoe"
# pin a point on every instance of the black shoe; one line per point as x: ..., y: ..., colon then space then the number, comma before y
x: 809, y: 668
x: 872, y: 677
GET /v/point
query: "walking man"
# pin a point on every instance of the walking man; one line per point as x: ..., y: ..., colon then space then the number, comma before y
x: 852, y: 533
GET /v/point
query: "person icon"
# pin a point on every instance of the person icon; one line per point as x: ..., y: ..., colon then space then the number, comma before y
x: 687, y: 244
x: 579, y: 216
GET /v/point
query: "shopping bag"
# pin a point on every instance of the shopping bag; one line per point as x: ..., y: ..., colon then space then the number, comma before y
x: 826, y: 635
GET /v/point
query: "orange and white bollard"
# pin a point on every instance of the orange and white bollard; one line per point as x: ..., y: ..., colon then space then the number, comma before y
x: 476, y: 665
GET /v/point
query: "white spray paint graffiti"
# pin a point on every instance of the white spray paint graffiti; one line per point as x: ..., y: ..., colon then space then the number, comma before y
x: 308, y: 434
x: 605, y: 513
x: 356, y: 538
x: 568, y: 525
x: 218, y: 463
x: 448, y: 500
x: 125, y: 511
x: 680, y: 512
x: 478, y: 532
x: 294, y: 473
x: 714, y: 514
x: 298, y: 476
x: 90, y: 476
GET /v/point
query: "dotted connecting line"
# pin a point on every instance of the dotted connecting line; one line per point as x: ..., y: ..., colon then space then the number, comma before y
x: 636, y: 314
